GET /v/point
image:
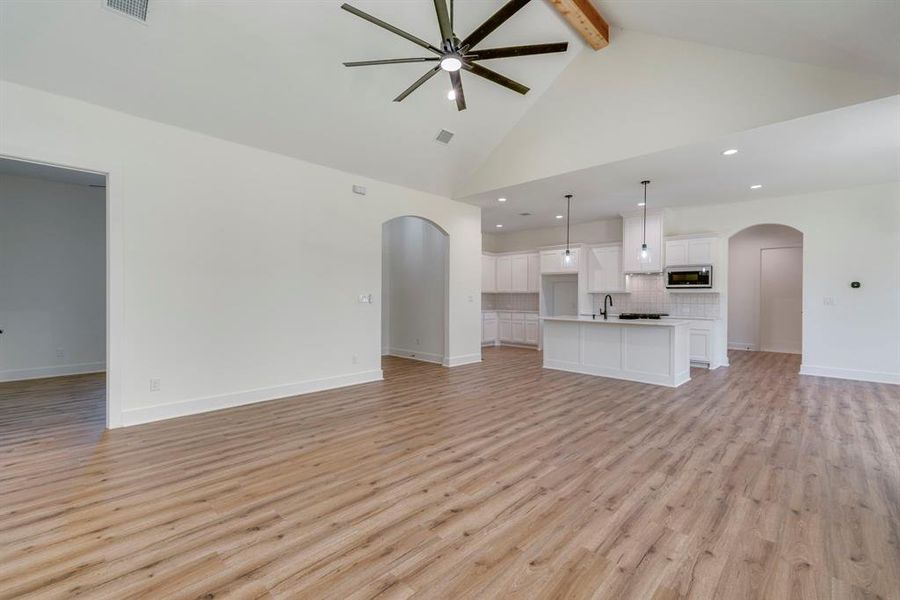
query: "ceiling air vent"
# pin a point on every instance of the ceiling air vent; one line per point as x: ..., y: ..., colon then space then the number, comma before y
x: 136, y: 9
x: 444, y: 136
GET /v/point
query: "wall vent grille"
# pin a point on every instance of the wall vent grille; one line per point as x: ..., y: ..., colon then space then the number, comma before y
x: 444, y: 136
x: 136, y: 9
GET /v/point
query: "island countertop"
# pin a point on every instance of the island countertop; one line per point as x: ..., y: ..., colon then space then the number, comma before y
x: 617, y: 321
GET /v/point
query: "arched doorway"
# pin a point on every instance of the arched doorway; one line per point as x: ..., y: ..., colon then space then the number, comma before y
x: 415, y: 289
x: 765, y: 289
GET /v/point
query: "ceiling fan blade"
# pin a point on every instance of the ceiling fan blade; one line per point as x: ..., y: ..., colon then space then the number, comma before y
x: 443, y: 16
x: 517, y: 51
x: 456, y: 81
x: 495, y: 21
x: 476, y: 69
x: 391, y: 28
x: 418, y: 82
x: 390, y: 61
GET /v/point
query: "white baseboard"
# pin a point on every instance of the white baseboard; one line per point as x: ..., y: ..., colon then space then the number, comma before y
x: 416, y: 355
x: 462, y: 359
x: 746, y: 346
x: 193, y: 406
x: 855, y: 374
x: 54, y: 371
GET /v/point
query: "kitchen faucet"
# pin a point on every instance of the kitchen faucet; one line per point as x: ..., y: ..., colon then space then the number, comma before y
x: 605, y: 311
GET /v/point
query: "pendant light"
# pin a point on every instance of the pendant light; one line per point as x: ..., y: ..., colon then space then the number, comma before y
x: 567, y: 258
x: 645, y: 254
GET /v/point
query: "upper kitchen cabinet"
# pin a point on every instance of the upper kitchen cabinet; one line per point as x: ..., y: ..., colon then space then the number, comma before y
x: 510, y: 273
x: 605, y: 274
x: 553, y: 261
x: 534, y: 273
x: 691, y: 251
x: 488, y: 273
x: 632, y: 238
x: 504, y: 273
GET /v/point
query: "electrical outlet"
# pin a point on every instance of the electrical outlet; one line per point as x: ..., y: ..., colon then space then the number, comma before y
x: 154, y: 384
x: 60, y: 354
x: 354, y: 359
x: 829, y: 301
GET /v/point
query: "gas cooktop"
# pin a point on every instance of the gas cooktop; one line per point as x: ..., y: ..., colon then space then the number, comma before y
x: 631, y: 316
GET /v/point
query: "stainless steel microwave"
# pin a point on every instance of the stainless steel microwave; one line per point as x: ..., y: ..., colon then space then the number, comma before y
x: 691, y: 276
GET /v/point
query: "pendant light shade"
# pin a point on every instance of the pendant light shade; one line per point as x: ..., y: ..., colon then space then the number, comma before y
x: 645, y: 252
x: 567, y: 257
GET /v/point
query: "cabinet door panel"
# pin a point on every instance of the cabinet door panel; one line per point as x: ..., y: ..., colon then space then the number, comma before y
x: 532, y: 330
x: 550, y: 261
x: 505, y: 328
x: 700, y: 252
x: 519, y: 278
x: 518, y: 332
x: 677, y: 252
x: 534, y: 273
x: 504, y: 274
x: 700, y: 345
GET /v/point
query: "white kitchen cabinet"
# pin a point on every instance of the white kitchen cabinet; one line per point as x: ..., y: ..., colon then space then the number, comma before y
x: 504, y: 274
x: 519, y: 273
x: 518, y: 332
x: 632, y: 238
x: 700, y: 346
x: 534, y: 272
x: 553, y: 261
x: 488, y: 328
x: 488, y: 273
x: 605, y: 269
x: 703, y: 336
x: 691, y: 251
x: 532, y: 332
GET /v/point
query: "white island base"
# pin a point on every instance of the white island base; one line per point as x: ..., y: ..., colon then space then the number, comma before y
x: 647, y: 351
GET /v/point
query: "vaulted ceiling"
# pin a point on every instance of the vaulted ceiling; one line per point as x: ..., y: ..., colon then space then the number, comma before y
x: 268, y: 74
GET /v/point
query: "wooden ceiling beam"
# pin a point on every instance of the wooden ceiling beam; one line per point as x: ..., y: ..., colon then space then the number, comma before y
x: 585, y: 19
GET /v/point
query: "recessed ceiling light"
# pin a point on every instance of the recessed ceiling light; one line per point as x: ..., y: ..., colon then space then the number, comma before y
x: 641, y: 203
x: 756, y: 186
x: 559, y: 216
x: 451, y: 95
x: 730, y: 151
x: 501, y: 199
x: 499, y: 226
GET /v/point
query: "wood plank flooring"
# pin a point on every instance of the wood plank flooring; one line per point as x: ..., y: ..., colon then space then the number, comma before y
x: 496, y: 480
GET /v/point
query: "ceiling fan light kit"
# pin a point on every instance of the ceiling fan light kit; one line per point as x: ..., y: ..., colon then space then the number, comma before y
x: 454, y: 55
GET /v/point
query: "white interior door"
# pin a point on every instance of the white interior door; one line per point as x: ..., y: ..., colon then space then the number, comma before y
x: 780, y: 299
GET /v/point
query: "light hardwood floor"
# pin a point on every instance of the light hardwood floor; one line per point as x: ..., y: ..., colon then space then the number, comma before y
x: 497, y: 480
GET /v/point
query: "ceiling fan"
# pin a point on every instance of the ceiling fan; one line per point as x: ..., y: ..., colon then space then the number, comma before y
x: 454, y: 54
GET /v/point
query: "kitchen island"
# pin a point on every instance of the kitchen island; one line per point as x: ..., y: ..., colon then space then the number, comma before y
x: 648, y: 351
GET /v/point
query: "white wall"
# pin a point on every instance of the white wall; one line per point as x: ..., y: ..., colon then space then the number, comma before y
x: 234, y: 272
x: 590, y: 232
x: 413, y: 289
x: 657, y: 93
x: 848, y: 235
x: 52, y: 278
x: 743, y: 285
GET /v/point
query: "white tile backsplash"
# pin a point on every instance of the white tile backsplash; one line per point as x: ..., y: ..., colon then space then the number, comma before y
x: 649, y: 295
x: 524, y: 302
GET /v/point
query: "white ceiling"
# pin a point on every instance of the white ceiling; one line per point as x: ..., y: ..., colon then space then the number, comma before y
x: 852, y: 146
x: 21, y: 168
x: 268, y: 73
x: 856, y: 35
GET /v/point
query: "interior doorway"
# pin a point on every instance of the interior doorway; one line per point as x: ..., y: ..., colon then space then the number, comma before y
x: 53, y: 279
x: 765, y: 289
x: 415, y: 290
